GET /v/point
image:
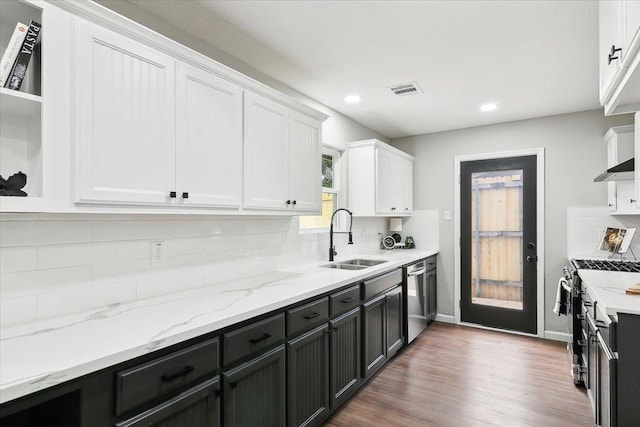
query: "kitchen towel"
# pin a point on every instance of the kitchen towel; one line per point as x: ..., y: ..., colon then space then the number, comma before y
x: 561, y: 298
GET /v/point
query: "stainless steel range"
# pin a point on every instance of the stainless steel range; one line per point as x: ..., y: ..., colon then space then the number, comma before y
x: 574, y: 299
x: 606, y: 265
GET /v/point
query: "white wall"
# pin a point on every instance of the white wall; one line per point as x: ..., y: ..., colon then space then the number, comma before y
x: 574, y: 154
x: 51, y: 265
x: 337, y: 129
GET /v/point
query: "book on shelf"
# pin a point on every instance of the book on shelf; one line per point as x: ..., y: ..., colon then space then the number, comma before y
x: 11, y: 52
x: 24, y: 56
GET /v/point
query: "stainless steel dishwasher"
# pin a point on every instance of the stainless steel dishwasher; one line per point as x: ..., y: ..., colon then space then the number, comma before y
x: 416, y: 299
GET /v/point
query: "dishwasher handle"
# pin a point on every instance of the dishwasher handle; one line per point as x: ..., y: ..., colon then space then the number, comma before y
x: 416, y: 272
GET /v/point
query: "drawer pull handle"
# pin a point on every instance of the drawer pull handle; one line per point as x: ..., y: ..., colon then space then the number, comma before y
x: 184, y: 371
x: 311, y: 316
x: 266, y: 336
x: 347, y: 300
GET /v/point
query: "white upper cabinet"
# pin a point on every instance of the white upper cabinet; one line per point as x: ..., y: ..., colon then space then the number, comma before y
x: 391, y: 172
x: 305, y: 184
x: 266, y: 172
x: 208, y: 139
x: 281, y: 157
x: 621, y: 198
x: 125, y: 116
x: 619, y: 55
x: 610, y: 42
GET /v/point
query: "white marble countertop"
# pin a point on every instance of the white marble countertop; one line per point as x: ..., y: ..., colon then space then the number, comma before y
x: 607, y: 287
x: 39, y: 355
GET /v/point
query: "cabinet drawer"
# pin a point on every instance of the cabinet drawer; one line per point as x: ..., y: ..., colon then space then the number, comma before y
x: 345, y: 300
x: 307, y: 316
x: 164, y: 375
x: 381, y: 283
x: 253, y: 338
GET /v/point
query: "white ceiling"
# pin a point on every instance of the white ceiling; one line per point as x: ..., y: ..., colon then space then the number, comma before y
x: 533, y: 58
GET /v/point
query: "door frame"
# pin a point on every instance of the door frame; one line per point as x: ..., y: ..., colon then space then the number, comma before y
x: 539, y: 153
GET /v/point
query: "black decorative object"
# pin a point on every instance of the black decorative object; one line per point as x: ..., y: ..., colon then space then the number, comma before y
x: 12, y: 186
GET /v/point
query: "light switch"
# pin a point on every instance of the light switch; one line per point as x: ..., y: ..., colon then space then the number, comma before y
x: 447, y: 215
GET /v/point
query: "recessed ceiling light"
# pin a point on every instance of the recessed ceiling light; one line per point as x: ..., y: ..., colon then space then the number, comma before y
x: 488, y: 107
x: 352, y: 99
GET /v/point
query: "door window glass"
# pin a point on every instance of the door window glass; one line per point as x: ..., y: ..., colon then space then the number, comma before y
x: 496, y: 238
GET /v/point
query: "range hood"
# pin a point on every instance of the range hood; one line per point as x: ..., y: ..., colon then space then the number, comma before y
x: 619, y: 172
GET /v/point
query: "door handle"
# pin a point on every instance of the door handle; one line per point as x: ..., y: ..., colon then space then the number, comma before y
x: 532, y: 258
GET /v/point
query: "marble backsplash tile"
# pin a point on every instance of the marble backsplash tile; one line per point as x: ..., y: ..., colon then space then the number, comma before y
x: 55, y: 264
x: 586, y: 225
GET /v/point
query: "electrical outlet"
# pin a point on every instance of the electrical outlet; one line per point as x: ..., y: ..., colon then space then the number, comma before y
x: 157, y: 252
x: 447, y: 215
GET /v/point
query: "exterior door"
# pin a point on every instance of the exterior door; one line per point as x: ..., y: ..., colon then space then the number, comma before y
x: 498, y: 243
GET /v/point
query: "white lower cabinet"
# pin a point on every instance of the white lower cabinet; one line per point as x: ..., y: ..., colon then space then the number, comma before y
x: 281, y: 158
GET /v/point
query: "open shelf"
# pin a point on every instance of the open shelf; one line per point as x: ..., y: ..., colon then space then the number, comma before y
x: 15, y: 104
x: 21, y: 111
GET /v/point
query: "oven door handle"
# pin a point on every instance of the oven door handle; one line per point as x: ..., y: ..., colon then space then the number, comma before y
x: 416, y: 272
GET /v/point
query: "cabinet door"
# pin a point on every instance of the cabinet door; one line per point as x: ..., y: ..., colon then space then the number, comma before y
x: 384, y: 178
x: 125, y: 149
x: 395, y: 327
x: 432, y: 290
x: 208, y: 139
x: 631, y: 12
x: 254, y: 393
x: 612, y: 160
x: 196, y: 407
x: 610, y: 30
x: 266, y: 165
x: 375, y: 348
x: 305, y: 186
x: 308, y: 378
x: 345, y: 356
x: 407, y: 186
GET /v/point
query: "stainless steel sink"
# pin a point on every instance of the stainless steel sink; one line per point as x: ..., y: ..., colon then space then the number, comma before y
x: 354, y: 264
x: 343, y: 266
x: 363, y: 262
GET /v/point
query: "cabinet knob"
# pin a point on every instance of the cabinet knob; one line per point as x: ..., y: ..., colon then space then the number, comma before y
x: 610, y: 205
x: 185, y: 195
x: 288, y: 202
x: 294, y: 202
x: 393, y: 209
x: 612, y: 55
x: 406, y: 209
x: 172, y: 194
x: 632, y: 200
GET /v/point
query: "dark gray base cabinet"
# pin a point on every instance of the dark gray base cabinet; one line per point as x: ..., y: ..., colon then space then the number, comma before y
x: 431, y: 302
x: 198, y: 406
x: 308, y: 378
x: 254, y: 392
x: 374, y: 340
x: 394, y: 319
x: 346, y: 358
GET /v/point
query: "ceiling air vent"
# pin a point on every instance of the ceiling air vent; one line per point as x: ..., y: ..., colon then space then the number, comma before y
x: 405, y: 89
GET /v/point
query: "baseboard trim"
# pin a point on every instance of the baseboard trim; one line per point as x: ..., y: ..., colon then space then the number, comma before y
x: 557, y: 336
x: 445, y: 318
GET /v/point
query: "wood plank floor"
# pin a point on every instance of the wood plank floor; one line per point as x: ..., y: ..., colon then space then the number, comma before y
x: 460, y: 376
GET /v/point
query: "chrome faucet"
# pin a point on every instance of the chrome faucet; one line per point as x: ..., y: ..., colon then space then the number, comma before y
x: 332, y: 249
